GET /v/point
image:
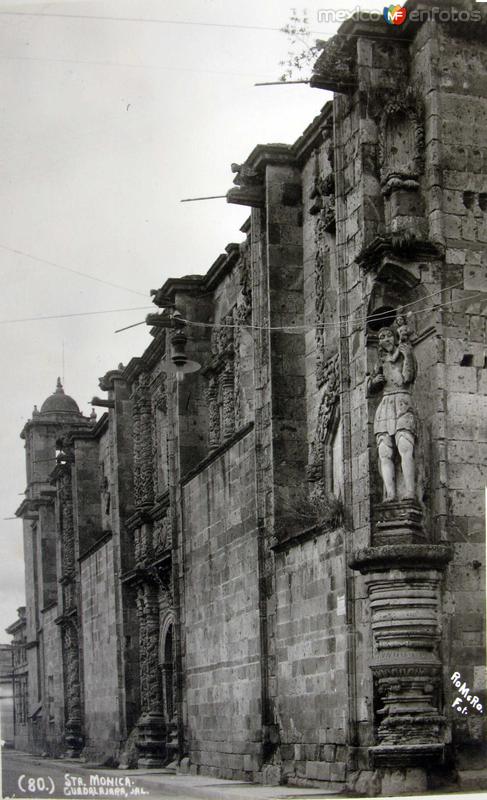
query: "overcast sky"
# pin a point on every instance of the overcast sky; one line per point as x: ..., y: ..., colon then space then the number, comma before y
x: 105, y: 125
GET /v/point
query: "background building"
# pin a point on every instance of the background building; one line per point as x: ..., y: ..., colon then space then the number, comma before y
x: 271, y: 569
x: 19, y: 681
x: 6, y: 696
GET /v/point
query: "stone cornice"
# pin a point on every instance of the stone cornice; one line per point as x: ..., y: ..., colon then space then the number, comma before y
x: 411, y: 556
x: 150, y: 357
x: 107, y: 380
x: 49, y: 606
x: 314, y: 134
x: 251, y: 196
x: 250, y: 176
x: 138, y: 518
x: 399, y: 247
x: 189, y: 284
x: 162, y: 505
x: 67, y: 618
x: 249, y: 189
x: 91, y: 433
x: 134, y: 368
x: 41, y: 421
x: 157, y: 348
x: 29, y: 507
x: 104, y: 538
x: 292, y: 540
x: 149, y: 572
x: 16, y: 626
x: 215, y: 454
x: 336, y: 68
x: 222, y: 266
x: 196, y: 284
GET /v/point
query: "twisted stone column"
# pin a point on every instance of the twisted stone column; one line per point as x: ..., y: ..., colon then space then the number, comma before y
x: 73, y: 728
x: 146, y: 473
x: 151, y: 726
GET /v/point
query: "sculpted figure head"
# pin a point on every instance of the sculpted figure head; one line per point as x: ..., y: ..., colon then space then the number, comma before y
x: 386, y: 340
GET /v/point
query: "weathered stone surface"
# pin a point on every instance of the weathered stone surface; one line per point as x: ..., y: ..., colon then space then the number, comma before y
x: 219, y: 573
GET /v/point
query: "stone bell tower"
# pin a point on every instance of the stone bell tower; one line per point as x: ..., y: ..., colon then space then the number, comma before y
x: 58, y: 413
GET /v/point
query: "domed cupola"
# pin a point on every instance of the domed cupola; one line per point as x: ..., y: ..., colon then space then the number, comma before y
x: 59, y: 403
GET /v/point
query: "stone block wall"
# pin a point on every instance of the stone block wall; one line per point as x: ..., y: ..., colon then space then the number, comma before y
x: 311, y: 651
x: 53, y: 693
x: 222, y: 661
x: 461, y: 106
x: 99, y: 648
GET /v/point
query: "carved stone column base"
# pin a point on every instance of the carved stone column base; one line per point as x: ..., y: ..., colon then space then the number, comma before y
x: 398, y: 522
x: 406, y: 755
x: 151, y: 740
x: 403, y: 586
x: 172, y: 745
x: 74, y: 739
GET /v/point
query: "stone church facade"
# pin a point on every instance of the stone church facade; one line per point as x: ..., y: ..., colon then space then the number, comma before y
x: 266, y: 559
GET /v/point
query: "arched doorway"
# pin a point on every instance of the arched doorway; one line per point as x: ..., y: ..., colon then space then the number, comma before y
x: 168, y: 685
x: 167, y: 669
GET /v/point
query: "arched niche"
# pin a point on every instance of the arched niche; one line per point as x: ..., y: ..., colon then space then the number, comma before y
x: 395, y: 290
x: 167, y: 664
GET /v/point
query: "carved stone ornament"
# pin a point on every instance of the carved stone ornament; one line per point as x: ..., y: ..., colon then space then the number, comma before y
x: 67, y: 522
x: 336, y: 67
x: 73, y: 729
x: 220, y: 392
x: 158, y: 408
x: 401, y: 142
x: 404, y: 590
x: 143, y: 449
x: 161, y: 534
x: 214, y: 427
x: 151, y: 726
x: 322, y: 196
x: 329, y: 398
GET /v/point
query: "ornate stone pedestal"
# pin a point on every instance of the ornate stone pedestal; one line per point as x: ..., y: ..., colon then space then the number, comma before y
x: 172, y: 745
x: 403, y: 584
x: 398, y: 522
x: 151, y: 741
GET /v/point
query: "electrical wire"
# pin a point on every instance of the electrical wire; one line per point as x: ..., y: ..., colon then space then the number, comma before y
x: 302, y: 328
x: 75, y: 314
x: 372, y: 317
x: 185, y: 23
x: 154, y: 20
x: 70, y: 269
x: 136, y: 66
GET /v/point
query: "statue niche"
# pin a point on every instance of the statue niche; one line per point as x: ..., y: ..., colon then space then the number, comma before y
x: 395, y: 423
x: 401, y: 142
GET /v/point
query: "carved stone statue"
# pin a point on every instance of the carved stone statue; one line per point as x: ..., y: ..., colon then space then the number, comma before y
x: 395, y: 418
